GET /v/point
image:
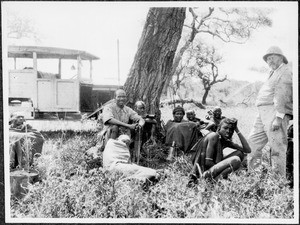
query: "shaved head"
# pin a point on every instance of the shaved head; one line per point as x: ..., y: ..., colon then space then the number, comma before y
x: 120, y: 97
x: 119, y: 91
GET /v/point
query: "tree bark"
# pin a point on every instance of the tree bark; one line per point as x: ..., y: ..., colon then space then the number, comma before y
x: 154, y: 58
x: 205, y: 96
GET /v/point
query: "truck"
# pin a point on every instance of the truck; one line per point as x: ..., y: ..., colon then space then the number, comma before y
x: 42, y: 94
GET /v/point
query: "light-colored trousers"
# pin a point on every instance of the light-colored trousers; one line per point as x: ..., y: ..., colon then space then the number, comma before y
x: 262, y: 133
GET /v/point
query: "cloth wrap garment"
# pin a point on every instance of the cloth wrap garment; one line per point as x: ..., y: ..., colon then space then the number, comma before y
x: 185, y: 134
x: 19, y: 142
x: 116, y: 157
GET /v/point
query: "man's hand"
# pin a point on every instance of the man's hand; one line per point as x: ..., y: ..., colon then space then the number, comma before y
x: 132, y: 126
x: 141, y: 122
x: 276, y: 123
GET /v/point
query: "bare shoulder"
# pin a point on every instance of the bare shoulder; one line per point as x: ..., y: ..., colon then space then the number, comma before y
x: 212, y: 136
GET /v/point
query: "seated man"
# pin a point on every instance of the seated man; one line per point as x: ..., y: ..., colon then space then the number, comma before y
x: 23, y: 139
x: 116, y: 117
x: 116, y: 157
x: 214, y: 118
x: 201, y: 124
x: 210, y: 160
x: 150, y: 122
x: 180, y: 133
x: 191, y: 116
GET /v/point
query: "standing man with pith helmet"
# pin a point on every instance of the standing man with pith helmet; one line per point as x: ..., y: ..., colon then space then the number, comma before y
x: 275, y: 108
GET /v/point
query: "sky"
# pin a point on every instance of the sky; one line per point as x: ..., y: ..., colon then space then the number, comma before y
x: 97, y: 27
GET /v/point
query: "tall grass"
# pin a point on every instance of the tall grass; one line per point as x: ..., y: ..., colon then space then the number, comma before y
x: 70, y: 189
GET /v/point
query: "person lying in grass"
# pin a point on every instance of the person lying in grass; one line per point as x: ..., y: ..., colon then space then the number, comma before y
x: 116, y: 157
x: 216, y: 155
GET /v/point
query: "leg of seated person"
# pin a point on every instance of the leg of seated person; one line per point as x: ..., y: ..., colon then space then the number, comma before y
x: 229, y: 152
x: 135, y: 171
x: 223, y: 168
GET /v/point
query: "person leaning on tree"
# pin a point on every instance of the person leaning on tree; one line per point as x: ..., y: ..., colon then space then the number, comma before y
x: 150, y: 122
x: 116, y: 116
x: 275, y: 108
x: 216, y: 155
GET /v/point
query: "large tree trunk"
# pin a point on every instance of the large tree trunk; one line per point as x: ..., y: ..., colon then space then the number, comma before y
x: 154, y: 58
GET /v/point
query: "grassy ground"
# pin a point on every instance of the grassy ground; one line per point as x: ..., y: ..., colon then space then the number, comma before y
x: 69, y: 188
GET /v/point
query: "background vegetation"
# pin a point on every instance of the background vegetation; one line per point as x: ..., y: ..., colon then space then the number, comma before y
x: 69, y: 187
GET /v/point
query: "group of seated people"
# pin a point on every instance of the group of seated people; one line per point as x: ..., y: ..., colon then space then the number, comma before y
x: 208, y: 141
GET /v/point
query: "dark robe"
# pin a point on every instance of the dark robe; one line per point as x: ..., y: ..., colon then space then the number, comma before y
x: 184, y: 134
x: 20, y: 140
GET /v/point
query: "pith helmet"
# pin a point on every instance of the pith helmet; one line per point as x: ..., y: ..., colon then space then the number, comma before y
x: 274, y: 50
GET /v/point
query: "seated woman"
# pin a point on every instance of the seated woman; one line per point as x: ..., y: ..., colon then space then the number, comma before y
x: 116, y: 157
x: 210, y: 159
x: 23, y: 137
x: 180, y: 133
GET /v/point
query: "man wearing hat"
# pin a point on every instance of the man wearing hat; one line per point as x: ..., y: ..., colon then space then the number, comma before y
x: 275, y: 108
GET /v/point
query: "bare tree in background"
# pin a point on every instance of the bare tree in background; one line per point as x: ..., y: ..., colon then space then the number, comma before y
x: 20, y: 27
x: 227, y: 24
x: 179, y: 77
x: 154, y: 58
x: 205, y: 66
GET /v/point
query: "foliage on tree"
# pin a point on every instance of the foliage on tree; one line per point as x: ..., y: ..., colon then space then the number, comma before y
x: 227, y: 24
x: 205, y: 67
x: 154, y: 58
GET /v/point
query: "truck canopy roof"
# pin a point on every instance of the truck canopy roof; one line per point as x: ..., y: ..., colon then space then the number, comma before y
x: 48, y: 53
